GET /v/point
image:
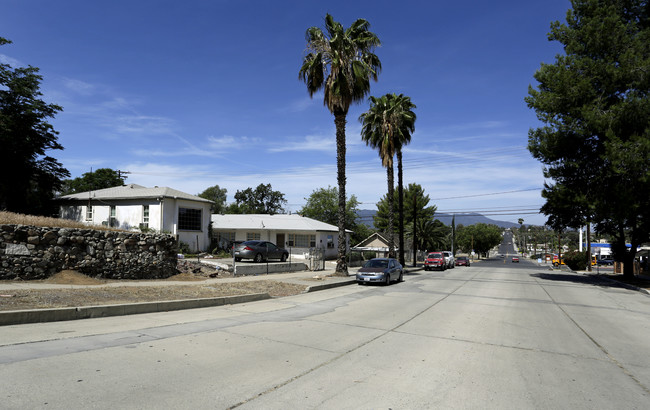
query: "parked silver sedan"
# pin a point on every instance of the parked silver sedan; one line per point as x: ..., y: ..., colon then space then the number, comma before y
x: 380, y: 270
x: 259, y: 251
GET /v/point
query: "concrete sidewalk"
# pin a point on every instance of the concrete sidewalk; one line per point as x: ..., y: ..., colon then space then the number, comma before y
x: 313, y: 280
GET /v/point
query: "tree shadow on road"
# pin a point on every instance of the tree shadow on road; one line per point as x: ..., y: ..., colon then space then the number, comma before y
x: 594, y: 280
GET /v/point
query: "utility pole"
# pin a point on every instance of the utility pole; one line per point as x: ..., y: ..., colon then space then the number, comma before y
x: 119, y: 175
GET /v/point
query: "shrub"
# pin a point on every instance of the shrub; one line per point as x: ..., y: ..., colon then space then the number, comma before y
x: 184, y: 248
x: 576, y: 260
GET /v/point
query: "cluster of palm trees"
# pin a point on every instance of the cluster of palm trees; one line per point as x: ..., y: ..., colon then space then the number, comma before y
x: 341, y: 62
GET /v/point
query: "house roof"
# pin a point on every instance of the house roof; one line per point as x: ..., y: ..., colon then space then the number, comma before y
x: 374, y: 240
x: 133, y: 191
x: 284, y: 222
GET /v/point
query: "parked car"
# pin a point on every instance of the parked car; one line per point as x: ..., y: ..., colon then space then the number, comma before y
x: 449, y: 259
x: 380, y: 270
x: 259, y: 251
x: 462, y: 261
x: 435, y: 260
x: 607, y: 261
x: 515, y: 259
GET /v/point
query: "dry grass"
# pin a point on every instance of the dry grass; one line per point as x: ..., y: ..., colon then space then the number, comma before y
x: 11, y: 218
x: 99, y: 292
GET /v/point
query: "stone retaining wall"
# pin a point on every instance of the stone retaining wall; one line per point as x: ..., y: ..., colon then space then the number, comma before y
x: 30, y: 252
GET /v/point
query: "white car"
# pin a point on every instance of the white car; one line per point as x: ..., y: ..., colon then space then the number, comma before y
x: 449, y: 258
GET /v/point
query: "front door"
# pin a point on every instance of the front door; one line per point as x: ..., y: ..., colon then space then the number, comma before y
x: 279, y: 240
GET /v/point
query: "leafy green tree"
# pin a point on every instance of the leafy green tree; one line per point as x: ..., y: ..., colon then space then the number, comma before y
x: 341, y: 63
x: 216, y: 195
x: 28, y: 175
x: 261, y: 200
x: 594, y: 104
x: 478, y: 237
x: 386, y: 126
x: 92, y: 181
x: 322, y: 205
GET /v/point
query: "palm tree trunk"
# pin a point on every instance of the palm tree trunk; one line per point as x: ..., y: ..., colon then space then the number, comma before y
x: 400, y: 194
x: 341, y: 263
x: 415, y: 230
x: 391, y: 211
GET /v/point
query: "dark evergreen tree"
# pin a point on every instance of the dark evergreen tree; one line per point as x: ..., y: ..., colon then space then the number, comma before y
x: 29, y: 176
x: 594, y: 103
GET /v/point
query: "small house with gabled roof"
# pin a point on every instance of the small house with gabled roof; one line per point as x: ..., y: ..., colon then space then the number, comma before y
x: 291, y: 231
x: 377, y: 242
x: 135, y: 207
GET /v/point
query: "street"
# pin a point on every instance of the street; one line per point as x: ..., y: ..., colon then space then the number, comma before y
x: 494, y: 335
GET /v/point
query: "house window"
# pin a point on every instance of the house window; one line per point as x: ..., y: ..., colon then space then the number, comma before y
x: 224, y: 236
x: 145, y: 216
x: 251, y: 236
x: 189, y: 219
x: 330, y: 241
x: 113, y: 220
x: 89, y: 213
x: 302, y: 241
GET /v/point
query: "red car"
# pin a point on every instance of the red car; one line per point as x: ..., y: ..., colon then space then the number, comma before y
x: 435, y: 260
x: 515, y: 259
x: 462, y: 261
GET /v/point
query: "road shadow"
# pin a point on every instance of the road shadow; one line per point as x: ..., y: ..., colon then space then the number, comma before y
x: 592, y: 280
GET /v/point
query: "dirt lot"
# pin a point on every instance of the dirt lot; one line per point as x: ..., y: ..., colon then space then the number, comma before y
x: 98, y: 293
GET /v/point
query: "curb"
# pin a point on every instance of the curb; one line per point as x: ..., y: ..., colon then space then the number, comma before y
x: 622, y: 284
x: 330, y: 285
x: 16, y: 317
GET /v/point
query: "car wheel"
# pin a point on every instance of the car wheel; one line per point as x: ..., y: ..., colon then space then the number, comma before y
x: 401, y: 276
x: 283, y: 258
x: 258, y: 258
x: 387, y: 279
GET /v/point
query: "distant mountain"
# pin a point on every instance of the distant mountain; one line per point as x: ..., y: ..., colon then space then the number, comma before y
x: 366, y: 217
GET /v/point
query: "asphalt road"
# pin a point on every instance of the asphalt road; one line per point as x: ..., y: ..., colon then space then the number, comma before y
x: 495, y: 335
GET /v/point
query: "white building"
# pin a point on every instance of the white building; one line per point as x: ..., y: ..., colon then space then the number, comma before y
x: 294, y: 232
x: 134, y: 207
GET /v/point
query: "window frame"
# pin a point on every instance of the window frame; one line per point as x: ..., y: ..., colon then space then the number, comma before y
x: 145, y: 216
x: 253, y: 236
x: 190, y: 219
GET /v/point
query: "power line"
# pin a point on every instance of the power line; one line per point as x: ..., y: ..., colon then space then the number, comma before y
x: 489, y: 194
x: 427, y: 161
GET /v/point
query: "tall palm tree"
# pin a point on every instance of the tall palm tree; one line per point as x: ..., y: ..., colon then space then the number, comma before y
x: 387, y: 126
x: 341, y: 62
x: 408, y: 127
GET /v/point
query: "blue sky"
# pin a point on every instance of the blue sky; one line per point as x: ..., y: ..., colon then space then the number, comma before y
x: 193, y: 94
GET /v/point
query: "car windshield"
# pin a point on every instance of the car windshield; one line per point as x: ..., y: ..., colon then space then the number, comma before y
x: 376, y: 263
x: 435, y: 255
x: 462, y: 258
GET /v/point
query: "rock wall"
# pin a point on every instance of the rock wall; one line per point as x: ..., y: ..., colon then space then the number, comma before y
x: 30, y: 252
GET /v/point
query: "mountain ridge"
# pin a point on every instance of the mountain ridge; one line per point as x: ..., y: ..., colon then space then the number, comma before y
x: 366, y: 216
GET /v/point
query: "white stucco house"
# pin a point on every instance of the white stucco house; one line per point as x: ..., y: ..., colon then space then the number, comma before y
x: 134, y: 207
x: 293, y: 232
